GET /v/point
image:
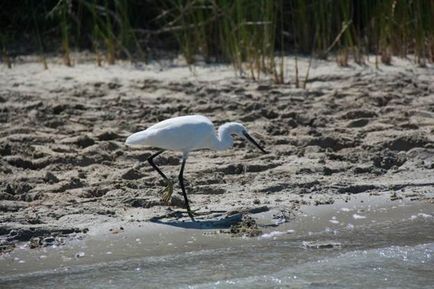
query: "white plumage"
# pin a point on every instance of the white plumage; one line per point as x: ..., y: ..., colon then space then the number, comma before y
x: 186, y: 134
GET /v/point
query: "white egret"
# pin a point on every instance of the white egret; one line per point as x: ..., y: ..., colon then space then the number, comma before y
x: 186, y: 134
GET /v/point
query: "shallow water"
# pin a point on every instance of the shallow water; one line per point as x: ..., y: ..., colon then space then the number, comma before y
x: 364, y: 246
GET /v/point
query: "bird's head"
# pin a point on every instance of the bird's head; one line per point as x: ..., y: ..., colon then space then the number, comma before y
x: 240, y: 130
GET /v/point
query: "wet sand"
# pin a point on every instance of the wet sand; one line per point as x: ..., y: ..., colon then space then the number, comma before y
x: 65, y: 169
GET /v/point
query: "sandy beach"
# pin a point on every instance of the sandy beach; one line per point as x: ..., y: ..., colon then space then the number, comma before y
x: 65, y: 171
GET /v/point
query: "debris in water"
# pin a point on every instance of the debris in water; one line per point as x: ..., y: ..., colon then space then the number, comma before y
x: 322, y: 245
x: 247, y: 227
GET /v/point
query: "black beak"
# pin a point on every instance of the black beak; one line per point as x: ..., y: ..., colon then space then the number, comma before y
x: 250, y: 139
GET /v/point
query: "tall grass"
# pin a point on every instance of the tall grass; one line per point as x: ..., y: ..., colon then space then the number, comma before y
x: 242, y: 32
x: 38, y: 37
x: 252, y: 35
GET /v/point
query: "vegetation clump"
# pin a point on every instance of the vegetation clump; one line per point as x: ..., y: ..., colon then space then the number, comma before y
x: 247, y: 227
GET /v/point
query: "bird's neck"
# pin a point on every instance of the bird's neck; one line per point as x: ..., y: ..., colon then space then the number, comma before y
x: 223, y: 139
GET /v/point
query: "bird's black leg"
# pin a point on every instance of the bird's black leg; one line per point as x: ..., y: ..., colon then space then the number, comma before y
x: 181, y: 183
x: 169, y: 188
x: 151, y: 162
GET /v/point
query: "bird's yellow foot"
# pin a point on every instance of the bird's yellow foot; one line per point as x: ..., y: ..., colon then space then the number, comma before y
x: 168, y: 191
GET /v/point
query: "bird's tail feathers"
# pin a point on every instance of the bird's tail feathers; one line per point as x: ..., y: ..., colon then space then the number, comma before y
x: 136, y: 138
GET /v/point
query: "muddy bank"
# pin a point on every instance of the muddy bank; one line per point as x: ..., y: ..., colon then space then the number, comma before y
x: 64, y: 165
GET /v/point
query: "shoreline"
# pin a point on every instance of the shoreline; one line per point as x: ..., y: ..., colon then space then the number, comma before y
x: 321, y: 227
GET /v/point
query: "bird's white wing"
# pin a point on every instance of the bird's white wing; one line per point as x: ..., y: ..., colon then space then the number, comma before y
x: 184, y: 133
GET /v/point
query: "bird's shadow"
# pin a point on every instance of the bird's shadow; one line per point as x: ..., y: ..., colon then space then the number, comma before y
x: 216, y: 222
x: 205, y: 221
